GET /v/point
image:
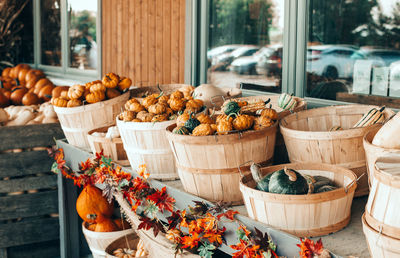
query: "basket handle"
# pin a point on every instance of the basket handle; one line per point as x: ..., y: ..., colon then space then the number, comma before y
x: 241, y: 165
x: 346, y: 188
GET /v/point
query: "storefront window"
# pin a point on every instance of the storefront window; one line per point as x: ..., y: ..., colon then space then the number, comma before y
x: 245, y: 44
x: 25, y: 55
x: 353, y: 51
x: 50, y: 28
x: 82, y: 34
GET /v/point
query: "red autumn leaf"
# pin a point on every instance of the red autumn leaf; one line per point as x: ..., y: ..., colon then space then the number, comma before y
x: 229, y: 214
x: 191, y: 241
x: 162, y: 200
x: 308, y: 248
x: 146, y: 223
x: 99, y: 155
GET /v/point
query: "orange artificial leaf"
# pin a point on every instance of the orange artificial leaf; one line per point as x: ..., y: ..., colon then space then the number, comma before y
x: 309, y: 249
x: 142, y: 171
x: 229, y: 214
x: 191, y: 241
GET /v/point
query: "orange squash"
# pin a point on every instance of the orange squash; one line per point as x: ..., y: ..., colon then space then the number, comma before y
x: 4, y: 101
x: 33, y: 73
x: 59, y: 102
x: 17, y: 94
x: 31, y: 83
x: 110, y: 80
x: 106, y: 225
x: 43, y: 82
x: 96, y: 96
x: 21, y: 75
x: 45, y: 92
x: 92, y: 206
x: 57, y: 91
x: 30, y: 99
x: 14, y: 73
x: 6, y: 72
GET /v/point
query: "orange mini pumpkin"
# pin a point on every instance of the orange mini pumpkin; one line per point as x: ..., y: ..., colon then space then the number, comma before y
x: 57, y: 91
x: 177, y: 95
x: 33, y: 73
x: 97, y: 87
x: 149, y: 100
x: 74, y: 103
x: 6, y: 72
x: 110, y: 80
x: 124, y: 83
x: 176, y: 104
x: 157, y: 108
x: 76, y: 91
x: 59, y: 102
x: 204, y: 119
x: 94, y: 97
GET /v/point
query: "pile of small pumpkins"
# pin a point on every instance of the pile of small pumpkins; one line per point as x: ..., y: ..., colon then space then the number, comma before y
x: 237, y: 116
x: 97, y: 212
x: 159, y: 107
x: 27, y: 115
x: 22, y: 85
x: 111, y: 86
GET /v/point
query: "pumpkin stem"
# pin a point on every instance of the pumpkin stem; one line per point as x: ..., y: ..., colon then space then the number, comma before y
x: 382, y: 108
x: 291, y: 174
x: 234, y: 114
x: 267, y: 101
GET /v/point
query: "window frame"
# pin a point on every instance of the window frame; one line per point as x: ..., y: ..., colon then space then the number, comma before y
x: 64, y: 71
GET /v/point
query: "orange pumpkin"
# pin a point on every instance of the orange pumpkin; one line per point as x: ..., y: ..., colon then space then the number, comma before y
x: 91, y: 205
x: 106, y: 225
x: 43, y: 82
x: 57, y: 91
x: 76, y: 91
x: 59, y: 102
x: 21, y: 75
x: 30, y: 99
x: 17, y: 94
x: 6, y: 72
x: 74, y: 103
x: 97, y: 87
x: 94, y: 97
x: 45, y: 92
x: 33, y: 73
x: 23, y: 66
x: 4, y: 101
x: 91, y: 227
x: 110, y: 80
x: 125, y: 83
x: 14, y: 72
x: 7, y: 94
x: 64, y: 94
x: 8, y: 83
x: 31, y: 83
x: 112, y: 93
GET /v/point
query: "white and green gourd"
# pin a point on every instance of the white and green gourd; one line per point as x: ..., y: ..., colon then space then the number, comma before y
x: 373, y: 116
x: 287, y: 102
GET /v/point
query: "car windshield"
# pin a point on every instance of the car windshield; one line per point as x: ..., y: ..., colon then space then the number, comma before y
x: 240, y: 51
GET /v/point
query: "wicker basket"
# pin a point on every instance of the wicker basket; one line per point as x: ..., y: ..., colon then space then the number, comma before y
x: 308, y: 139
x: 112, y: 148
x: 76, y: 122
x: 128, y: 241
x: 208, y: 165
x: 303, y: 215
x: 372, y: 152
x: 99, y: 241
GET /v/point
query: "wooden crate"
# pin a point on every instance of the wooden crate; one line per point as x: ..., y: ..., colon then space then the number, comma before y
x: 29, y: 222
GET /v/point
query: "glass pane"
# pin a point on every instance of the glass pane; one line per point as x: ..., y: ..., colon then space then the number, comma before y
x: 50, y: 29
x: 25, y: 53
x: 82, y: 34
x: 245, y: 44
x: 353, y: 51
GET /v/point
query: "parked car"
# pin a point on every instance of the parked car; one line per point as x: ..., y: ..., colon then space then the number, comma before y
x: 220, y: 50
x: 332, y: 61
x: 247, y: 64
x: 224, y: 60
x: 270, y: 64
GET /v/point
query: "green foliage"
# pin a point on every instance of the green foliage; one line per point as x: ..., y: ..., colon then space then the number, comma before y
x: 205, y: 250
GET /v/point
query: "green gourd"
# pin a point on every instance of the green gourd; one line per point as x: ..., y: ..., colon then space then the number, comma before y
x: 231, y: 108
x: 261, y: 182
x: 287, y: 181
x: 181, y: 130
x: 286, y: 101
x: 192, y: 123
x: 325, y: 188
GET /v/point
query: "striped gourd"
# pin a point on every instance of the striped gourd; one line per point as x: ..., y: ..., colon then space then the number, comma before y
x: 286, y: 101
x: 372, y: 117
x: 254, y: 107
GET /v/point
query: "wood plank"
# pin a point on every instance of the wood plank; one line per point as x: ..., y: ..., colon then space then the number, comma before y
x: 138, y: 43
x: 175, y: 41
x: 167, y: 41
x: 48, y: 249
x: 131, y: 40
x: 29, y: 136
x: 159, y: 42
x: 28, y: 205
x: 28, y: 183
x: 368, y: 99
x: 182, y: 23
x: 24, y: 163
x: 119, y: 39
x: 152, y: 42
x: 144, y: 43
x: 28, y: 232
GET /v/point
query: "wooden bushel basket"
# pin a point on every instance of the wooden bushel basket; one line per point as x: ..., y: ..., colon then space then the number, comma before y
x: 76, y: 122
x: 146, y: 143
x: 379, y: 244
x: 112, y: 148
x: 99, y: 241
x: 128, y: 241
x: 308, y: 139
x: 372, y: 152
x: 307, y: 215
x: 382, y: 209
x: 208, y: 165
x: 141, y: 92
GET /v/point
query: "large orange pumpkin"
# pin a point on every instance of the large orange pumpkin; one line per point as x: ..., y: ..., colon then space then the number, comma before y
x: 21, y: 75
x: 22, y: 66
x: 30, y: 99
x: 17, y: 94
x: 57, y: 91
x: 91, y: 205
x: 14, y: 72
x: 6, y: 72
x: 34, y: 74
x: 43, y: 82
x: 31, y: 83
x: 45, y: 92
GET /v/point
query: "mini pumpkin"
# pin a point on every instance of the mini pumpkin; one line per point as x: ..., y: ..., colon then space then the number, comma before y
x: 94, y: 97
x: 136, y: 107
x: 110, y: 80
x: 203, y: 130
x: 242, y: 122
x: 192, y: 123
x: 176, y: 104
x: 195, y: 103
x: 76, y: 91
x: 124, y: 253
x: 144, y: 116
x: 6, y: 72
x: 262, y: 122
x: 231, y: 107
x: 204, y: 119
x: 224, y: 126
x: 187, y: 90
x: 64, y: 94
x: 128, y: 115
x: 181, y: 130
x: 157, y: 108
x: 59, y: 102
x: 149, y: 100
x: 223, y: 117
x: 270, y: 113
x: 129, y: 102
x: 214, y: 127
x: 124, y: 83
x: 169, y: 112
x: 112, y: 93
x: 57, y: 91
x: 177, y: 95
x: 159, y: 118
x: 97, y: 87
x: 74, y: 103
x: 181, y: 120
x: 163, y: 99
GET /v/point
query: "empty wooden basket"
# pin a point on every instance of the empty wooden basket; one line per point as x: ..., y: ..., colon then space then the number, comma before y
x: 99, y: 241
x: 306, y: 215
x: 208, y: 165
x: 372, y: 152
x: 111, y: 147
x: 76, y: 122
x: 308, y: 139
